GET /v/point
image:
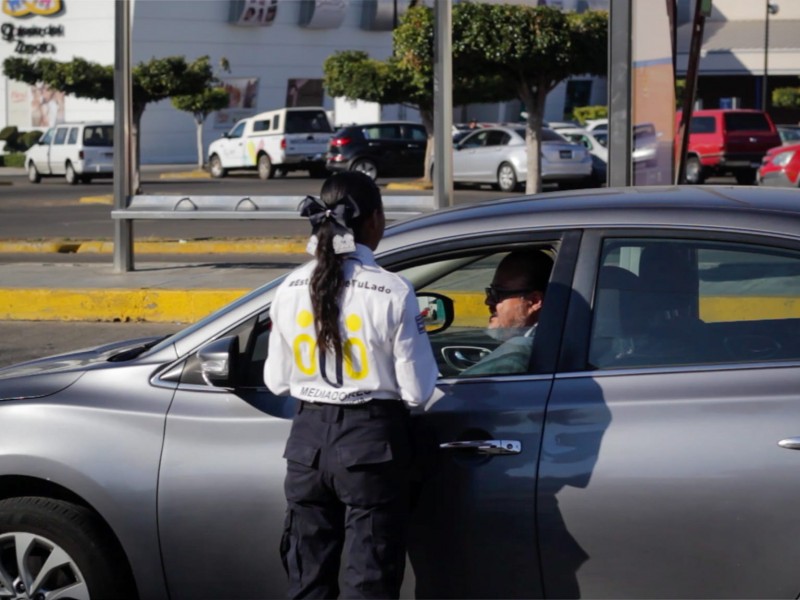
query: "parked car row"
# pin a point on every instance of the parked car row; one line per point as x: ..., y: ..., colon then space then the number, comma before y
x: 646, y: 449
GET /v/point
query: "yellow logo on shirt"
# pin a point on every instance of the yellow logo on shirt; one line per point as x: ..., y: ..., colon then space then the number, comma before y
x: 354, y: 349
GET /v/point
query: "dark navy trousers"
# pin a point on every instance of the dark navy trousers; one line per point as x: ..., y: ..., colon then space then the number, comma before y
x: 347, y: 489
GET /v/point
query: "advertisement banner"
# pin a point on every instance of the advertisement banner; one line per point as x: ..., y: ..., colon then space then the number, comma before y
x: 34, y: 106
x: 243, y: 99
x: 253, y: 13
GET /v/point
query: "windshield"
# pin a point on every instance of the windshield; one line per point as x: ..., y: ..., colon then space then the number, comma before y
x: 98, y: 135
x: 307, y: 121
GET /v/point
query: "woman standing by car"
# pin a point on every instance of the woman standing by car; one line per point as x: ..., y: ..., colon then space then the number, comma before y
x: 347, y: 341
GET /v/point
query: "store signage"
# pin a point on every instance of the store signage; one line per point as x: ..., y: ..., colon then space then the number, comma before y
x: 253, y: 13
x: 23, y: 8
x: 322, y: 14
x: 27, y: 40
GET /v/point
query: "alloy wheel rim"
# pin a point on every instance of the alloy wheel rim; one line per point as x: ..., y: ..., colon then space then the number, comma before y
x: 33, y: 567
x: 368, y: 169
x: 506, y: 178
x: 263, y: 167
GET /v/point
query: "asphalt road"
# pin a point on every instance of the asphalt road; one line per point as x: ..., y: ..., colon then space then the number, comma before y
x: 52, y: 209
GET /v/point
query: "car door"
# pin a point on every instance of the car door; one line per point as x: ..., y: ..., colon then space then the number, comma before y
x: 467, y: 158
x: 416, y: 143
x: 234, y: 153
x: 59, y: 151
x: 668, y: 465
x: 384, y: 145
x: 473, y: 532
x: 39, y: 153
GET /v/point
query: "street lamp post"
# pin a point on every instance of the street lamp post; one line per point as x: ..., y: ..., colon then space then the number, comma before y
x: 772, y: 9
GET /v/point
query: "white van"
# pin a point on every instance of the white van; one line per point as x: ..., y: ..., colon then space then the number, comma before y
x: 277, y: 141
x: 76, y: 151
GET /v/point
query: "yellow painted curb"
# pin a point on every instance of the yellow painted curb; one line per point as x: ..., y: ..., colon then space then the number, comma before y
x: 278, y: 246
x: 24, y: 247
x: 196, y: 174
x: 153, y: 305
x: 106, y: 199
x: 410, y: 185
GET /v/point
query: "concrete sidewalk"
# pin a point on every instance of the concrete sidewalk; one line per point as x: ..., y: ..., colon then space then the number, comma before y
x: 155, y: 292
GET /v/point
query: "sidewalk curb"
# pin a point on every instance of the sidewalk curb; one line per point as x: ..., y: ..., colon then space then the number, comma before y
x: 289, y: 245
x: 195, y: 174
x: 152, y: 305
x: 411, y: 185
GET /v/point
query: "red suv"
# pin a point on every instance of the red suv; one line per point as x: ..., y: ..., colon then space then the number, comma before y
x: 723, y: 141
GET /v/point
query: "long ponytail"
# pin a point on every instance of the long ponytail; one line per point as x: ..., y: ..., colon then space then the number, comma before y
x: 327, y: 280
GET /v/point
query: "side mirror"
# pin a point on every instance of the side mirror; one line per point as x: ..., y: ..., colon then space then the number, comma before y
x: 218, y: 361
x: 224, y: 135
x: 436, y: 310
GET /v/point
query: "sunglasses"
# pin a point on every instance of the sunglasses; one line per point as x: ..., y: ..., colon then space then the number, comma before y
x: 495, y: 294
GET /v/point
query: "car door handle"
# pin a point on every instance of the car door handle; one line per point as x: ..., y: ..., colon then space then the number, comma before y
x: 792, y: 443
x: 485, y: 446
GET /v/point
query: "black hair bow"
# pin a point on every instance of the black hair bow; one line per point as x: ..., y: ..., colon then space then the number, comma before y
x: 341, y: 215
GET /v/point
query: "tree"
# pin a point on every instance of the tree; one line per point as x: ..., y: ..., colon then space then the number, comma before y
x: 786, y: 97
x: 407, y: 76
x: 200, y: 106
x: 152, y: 81
x: 534, y: 49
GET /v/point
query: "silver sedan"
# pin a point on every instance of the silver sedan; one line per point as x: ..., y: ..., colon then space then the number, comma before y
x: 498, y: 155
x: 644, y: 445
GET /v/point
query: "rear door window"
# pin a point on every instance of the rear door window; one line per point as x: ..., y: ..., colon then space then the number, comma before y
x: 98, y: 135
x: 61, y: 136
x: 703, y: 125
x: 73, y: 136
x: 680, y: 302
x: 382, y: 132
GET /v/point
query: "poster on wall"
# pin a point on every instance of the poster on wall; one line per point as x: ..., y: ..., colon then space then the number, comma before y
x: 242, y: 101
x: 304, y: 92
x: 34, y: 106
x: 322, y: 14
x: 253, y: 13
x: 23, y: 8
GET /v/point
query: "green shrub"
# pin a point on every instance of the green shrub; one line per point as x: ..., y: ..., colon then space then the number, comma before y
x: 8, y: 132
x: 15, y: 159
x: 28, y: 139
x: 19, y: 142
x: 786, y: 97
x: 583, y: 113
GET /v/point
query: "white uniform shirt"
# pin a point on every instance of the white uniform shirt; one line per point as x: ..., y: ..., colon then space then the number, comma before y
x: 387, y: 354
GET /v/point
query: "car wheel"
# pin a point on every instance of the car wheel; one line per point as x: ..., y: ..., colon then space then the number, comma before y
x: 694, y: 171
x: 50, y: 548
x: 33, y: 173
x: 215, y: 167
x: 506, y: 178
x: 86, y: 179
x: 745, y: 177
x: 70, y: 175
x: 265, y: 170
x: 366, y: 166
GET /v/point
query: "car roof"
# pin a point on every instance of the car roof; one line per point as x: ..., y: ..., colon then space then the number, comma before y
x: 703, y: 208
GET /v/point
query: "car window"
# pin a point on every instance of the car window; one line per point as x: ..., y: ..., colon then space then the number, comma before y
x: 497, y: 138
x: 703, y: 125
x: 237, y: 131
x: 789, y: 134
x: 73, y: 135
x: 262, y: 125
x: 61, y: 136
x: 465, y: 349
x: 98, y: 135
x: 307, y: 121
x: 276, y: 122
x: 417, y: 133
x: 602, y: 138
x: 47, y: 137
x: 548, y: 135
x: 679, y: 302
x: 746, y: 122
x: 476, y: 140
x: 382, y: 132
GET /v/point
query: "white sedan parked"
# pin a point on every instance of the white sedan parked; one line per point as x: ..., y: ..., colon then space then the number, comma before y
x: 498, y: 155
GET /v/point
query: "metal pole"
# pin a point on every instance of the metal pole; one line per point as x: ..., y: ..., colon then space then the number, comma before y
x: 692, y: 68
x: 443, y: 104
x: 123, y: 100
x: 620, y: 142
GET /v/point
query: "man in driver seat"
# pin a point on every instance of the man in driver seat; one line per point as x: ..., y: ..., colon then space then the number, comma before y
x: 515, y: 299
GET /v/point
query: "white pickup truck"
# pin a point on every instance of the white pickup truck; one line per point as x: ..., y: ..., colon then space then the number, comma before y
x: 276, y: 141
x: 76, y: 151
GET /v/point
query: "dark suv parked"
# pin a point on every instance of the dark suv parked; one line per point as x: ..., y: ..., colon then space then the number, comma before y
x: 379, y: 149
x: 723, y: 141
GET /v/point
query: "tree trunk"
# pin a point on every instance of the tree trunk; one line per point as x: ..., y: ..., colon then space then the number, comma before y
x: 534, y: 99
x: 200, y: 161
x: 427, y: 121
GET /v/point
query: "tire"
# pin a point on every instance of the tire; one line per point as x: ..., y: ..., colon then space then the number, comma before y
x: 366, y: 166
x: 70, y: 175
x: 86, y: 179
x: 215, y: 167
x: 694, y: 171
x: 265, y: 168
x: 506, y: 178
x: 33, y: 173
x: 90, y: 563
x: 745, y: 177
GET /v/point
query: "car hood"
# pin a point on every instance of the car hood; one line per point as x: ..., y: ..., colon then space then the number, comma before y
x: 46, y: 376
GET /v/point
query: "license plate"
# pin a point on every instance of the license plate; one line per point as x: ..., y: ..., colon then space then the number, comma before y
x: 565, y: 153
